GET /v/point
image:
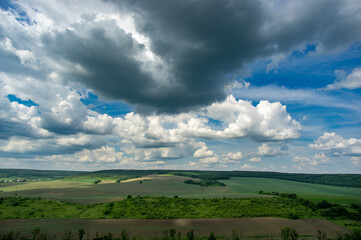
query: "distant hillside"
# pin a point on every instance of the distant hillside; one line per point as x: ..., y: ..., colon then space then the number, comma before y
x: 346, y: 180
x: 35, y: 174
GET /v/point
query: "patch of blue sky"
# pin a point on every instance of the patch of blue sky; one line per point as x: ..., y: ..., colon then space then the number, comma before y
x: 6, y: 4
x: 29, y: 102
x: 306, y: 69
x: 112, y: 108
x: 11, y: 6
x: 316, y: 120
x: 215, y: 124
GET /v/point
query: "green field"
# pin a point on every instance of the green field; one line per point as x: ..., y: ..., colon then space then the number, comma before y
x: 168, y: 197
x: 315, y: 192
x: 84, y: 191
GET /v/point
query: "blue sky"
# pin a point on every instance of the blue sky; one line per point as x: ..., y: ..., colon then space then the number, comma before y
x: 230, y: 85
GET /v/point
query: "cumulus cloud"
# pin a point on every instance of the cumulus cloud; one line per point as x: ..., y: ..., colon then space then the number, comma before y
x: 351, y: 81
x: 305, y: 161
x: 232, y: 156
x: 337, y: 144
x: 321, y: 157
x: 266, y: 150
x: 203, y: 152
x: 266, y: 121
x: 317, y: 159
x: 104, y: 156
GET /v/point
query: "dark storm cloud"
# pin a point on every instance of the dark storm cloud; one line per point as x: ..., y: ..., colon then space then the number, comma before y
x: 203, y: 45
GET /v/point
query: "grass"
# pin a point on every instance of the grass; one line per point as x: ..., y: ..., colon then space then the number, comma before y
x: 314, y: 192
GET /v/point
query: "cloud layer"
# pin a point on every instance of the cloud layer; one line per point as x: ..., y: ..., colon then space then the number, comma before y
x: 180, y: 65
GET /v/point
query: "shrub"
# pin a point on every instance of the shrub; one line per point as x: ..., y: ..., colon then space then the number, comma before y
x: 293, y: 216
x: 324, y: 204
x: 97, y: 181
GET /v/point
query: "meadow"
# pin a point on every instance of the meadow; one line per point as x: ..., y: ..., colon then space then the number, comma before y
x: 314, y: 192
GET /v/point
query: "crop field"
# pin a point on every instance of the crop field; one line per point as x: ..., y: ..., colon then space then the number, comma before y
x: 85, y: 192
x: 260, y: 228
x: 315, y: 192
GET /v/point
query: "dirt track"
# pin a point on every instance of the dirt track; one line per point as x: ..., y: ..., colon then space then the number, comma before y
x: 154, y: 227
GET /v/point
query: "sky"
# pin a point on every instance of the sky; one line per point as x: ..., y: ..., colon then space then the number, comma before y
x: 253, y: 85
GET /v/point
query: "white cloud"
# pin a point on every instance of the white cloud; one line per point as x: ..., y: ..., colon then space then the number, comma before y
x: 234, y: 156
x: 334, y: 142
x: 26, y: 57
x: 246, y: 166
x: 266, y: 150
x: 203, y: 152
x: 242, y: 84
x: 304, y: 161
x: 210, y: 160
x: 318, y: 158
x: 104, y: 155
x: 255, y: 159
x: 20, y: 145
x: 321, y: 157
x: 351, y: 81
x: 266, y: 121
x: 275, y: 61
